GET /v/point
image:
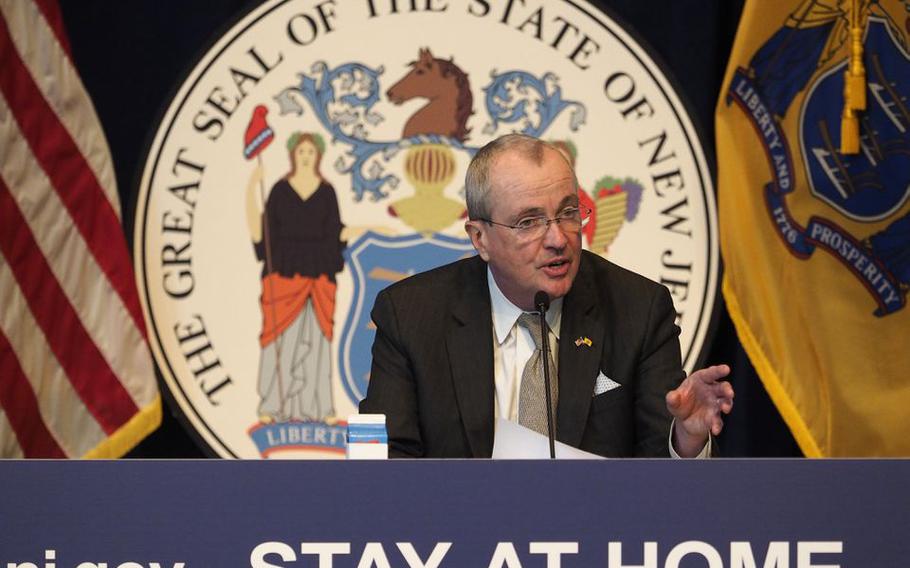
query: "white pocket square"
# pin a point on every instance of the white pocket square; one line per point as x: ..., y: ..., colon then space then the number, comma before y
x: 604, y: 384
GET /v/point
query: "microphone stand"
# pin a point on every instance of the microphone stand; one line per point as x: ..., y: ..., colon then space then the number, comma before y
x: 542, y: 300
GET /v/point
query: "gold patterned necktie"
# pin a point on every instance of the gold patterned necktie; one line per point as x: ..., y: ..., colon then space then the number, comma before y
x: 532, y: 401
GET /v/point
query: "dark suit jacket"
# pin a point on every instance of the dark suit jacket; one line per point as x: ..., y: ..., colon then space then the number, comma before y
x: 432, y: 373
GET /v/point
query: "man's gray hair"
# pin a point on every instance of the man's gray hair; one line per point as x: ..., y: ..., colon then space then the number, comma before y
x: 477, y: 179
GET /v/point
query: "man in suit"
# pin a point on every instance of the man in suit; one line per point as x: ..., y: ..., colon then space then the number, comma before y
x: 453, y: 351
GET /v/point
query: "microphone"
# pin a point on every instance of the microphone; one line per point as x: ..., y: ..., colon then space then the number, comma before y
x: 542, y: 302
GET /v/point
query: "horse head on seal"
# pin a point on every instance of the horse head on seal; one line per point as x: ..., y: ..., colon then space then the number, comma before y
x: 448, y: 91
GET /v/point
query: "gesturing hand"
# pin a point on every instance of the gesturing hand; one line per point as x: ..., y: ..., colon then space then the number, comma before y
x: 697, y: 405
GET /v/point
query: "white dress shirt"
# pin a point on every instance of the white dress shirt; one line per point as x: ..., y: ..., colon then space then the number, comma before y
x: 513, y: 346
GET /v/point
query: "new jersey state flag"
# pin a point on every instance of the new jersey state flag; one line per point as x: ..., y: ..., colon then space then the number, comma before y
x: 816, y: 242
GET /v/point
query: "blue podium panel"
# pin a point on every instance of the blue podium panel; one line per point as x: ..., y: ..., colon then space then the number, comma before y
x: 611, y: 514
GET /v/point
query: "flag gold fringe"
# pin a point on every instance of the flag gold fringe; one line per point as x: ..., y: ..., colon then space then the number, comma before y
x: 125, y: 439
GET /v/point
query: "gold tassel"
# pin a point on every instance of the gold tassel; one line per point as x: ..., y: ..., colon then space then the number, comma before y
x: 856, y: 74
x: 849, y: 132
x: 854, y: 85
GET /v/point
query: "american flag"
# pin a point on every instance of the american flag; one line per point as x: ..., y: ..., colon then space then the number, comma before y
x: 76, y: 376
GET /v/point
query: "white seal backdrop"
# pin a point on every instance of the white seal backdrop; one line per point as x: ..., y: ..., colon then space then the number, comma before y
x: 225, y: 271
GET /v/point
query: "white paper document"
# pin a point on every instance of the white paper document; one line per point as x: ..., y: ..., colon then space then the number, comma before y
x: 515, y: 442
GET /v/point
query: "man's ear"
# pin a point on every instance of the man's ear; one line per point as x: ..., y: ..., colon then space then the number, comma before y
x: 477, y: 232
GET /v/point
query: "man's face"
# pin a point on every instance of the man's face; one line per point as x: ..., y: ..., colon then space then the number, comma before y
x: 520, y: 189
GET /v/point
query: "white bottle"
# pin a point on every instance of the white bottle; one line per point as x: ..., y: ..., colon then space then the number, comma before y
x: 367, y: 437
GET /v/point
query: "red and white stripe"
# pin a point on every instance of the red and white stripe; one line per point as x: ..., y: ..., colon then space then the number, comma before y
x: 76, y: 377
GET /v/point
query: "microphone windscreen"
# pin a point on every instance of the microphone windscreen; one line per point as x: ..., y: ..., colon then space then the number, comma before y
x: 542, y: 301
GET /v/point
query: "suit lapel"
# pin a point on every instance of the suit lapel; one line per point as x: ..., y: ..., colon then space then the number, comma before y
x: 580, y: 364
x: 469, y: 341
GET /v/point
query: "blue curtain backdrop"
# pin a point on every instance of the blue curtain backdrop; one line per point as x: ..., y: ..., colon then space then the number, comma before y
x: 133, y: 55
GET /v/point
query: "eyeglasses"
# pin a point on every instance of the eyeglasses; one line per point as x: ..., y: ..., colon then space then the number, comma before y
x: 570, y: 220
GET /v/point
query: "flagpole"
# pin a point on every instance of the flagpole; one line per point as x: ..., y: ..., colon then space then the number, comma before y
x: 268, y: 271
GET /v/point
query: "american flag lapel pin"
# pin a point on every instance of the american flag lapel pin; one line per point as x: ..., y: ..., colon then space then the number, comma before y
x: 582, y: 341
